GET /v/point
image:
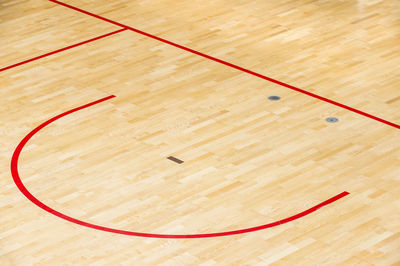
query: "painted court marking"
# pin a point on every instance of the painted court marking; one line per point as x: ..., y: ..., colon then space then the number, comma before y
x: 231, y: 65
x: 126, y: 27
x: 60, y: 50
x: 33, y: 199
x: 16, y: 154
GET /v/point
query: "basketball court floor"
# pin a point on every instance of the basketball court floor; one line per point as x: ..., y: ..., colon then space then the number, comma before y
x: 200, y: 132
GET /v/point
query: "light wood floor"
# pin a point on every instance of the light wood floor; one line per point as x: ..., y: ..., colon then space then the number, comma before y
x: 248, y: 161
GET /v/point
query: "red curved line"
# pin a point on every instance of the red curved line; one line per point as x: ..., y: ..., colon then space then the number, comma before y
x: 33, y: 199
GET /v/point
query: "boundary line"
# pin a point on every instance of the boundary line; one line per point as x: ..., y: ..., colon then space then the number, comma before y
x: 18, y: 182
x: 232, y: 65
x: 62, y: 49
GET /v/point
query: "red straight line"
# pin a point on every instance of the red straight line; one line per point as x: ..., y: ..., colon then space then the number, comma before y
x: 89, y: 13
x: 233, y: 66
x: 62, y: 49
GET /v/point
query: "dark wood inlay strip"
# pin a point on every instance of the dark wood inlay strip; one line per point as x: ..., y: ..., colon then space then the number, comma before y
x: 175, y: 159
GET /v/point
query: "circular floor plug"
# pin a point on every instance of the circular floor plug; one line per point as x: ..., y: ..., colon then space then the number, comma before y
x: 274, y: 98
x: 332, y: 120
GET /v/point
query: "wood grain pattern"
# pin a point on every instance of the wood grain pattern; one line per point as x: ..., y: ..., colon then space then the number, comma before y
x: 247, y: 160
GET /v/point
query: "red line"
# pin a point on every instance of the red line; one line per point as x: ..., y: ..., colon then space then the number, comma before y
x: 232, y: 65
x: 33, y: 199
x: 62, y: 49
x: 89, y: 13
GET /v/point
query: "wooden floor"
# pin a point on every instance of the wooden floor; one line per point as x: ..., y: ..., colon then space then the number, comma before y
x: 200, y: 94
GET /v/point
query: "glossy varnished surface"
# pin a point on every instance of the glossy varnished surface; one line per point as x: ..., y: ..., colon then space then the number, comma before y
x: 247, y: 160
x: 344, y: 50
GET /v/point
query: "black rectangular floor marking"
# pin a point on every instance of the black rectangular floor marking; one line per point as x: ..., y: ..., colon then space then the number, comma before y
x: 175, y: 159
